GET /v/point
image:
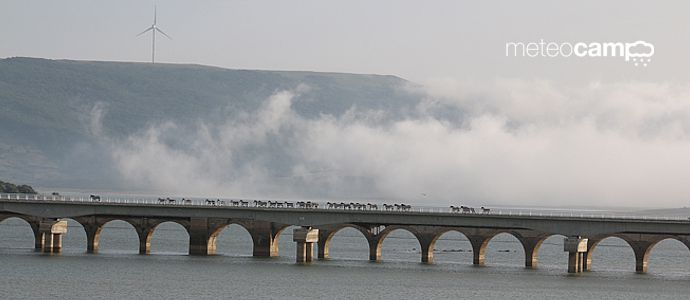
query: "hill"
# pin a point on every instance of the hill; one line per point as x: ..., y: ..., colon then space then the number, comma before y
x: 47, y: 108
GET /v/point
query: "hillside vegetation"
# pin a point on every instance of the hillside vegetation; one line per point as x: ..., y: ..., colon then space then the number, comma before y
x: 6, y: 187
x: 47, y: 108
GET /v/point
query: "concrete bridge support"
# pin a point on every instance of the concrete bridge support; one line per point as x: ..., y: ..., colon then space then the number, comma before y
x: 576, y: 247
x: 145, y: 229
x: 479, y: 243
x: 305, y: 237
x: 200, y: 241
x: 427, y: 236
x: 642, y: 245
x: 93, y: 231
x: 591, y: 244
x: 374, y: 250
x: 376, y: 241
x: 323, y: 246
x: 50, y: 235
x: 326, y: 234
x: 642, y: 250
x: 265, y: 237
x: 531, y: 245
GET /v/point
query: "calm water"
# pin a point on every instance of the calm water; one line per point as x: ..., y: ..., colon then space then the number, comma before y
x: 119, y: 272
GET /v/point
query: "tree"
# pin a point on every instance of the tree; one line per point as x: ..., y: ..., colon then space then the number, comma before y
x: 6, y: 187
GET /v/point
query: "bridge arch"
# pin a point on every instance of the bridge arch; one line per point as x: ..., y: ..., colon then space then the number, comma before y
x: 437, y: 236
x: 213, y: 237
x: 175, y: 225
x: 267, y: 241
x: 327, y: 235
x: 536, y: 247
x: 72, y: 239
x: 96, y: 238
x: 512, y: 234
x: 24, y: 221
x: 641, y: 266
x: 376, y: 251
x: 622, y: 243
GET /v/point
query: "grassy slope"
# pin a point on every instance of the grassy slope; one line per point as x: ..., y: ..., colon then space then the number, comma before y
x: 45, y: 105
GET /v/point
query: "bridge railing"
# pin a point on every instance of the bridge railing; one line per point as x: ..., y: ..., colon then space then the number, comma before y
x: 323, y: 206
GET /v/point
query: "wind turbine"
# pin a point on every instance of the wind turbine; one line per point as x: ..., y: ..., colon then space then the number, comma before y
x: 153, y: 30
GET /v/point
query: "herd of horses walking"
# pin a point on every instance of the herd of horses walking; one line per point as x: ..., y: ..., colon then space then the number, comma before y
x: 311, y: 205
x: 467, y: 209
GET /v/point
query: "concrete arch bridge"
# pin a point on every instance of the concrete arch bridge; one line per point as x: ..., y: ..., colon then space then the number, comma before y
x: 317, y: 226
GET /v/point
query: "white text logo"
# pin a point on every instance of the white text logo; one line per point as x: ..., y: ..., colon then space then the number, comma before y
x: 639, y: 52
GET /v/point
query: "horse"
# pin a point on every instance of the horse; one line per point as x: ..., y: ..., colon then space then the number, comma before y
x: 485, y: 210
x: 244, y: 203
x: 95, y: 198
x: 454, y: 208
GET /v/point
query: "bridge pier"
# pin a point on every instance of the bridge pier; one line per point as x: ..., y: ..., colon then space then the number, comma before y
x: 427, y: 253
x: 264, y: 237
x: 305, y: 237
x: 50, y: 235
x: 38, y: 240
x: 91, y: 241
x: 200, y: 240
x: 531, y: 246
x: 145, y: 235
x: 93, y: 232
x: 322, y: 252
x: 479, y: 243
x: 426, y: 236
x: 641, y: 244
x: 641, y: 248
x: 576, y: 247
x: 591, y: 244
x: 375, y: 250
x: 325, y: 236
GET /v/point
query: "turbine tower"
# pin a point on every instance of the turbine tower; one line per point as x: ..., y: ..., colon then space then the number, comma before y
x: 153, y: 30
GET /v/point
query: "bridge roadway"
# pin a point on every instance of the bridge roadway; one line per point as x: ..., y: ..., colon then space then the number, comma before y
x: 318, y: 226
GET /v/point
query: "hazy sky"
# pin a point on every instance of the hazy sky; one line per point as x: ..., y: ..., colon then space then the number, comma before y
x: 417, y: 40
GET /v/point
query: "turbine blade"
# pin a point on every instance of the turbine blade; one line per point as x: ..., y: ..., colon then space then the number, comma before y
x: 154, y: 15
x: 163, y: 33
x: 145, y: 31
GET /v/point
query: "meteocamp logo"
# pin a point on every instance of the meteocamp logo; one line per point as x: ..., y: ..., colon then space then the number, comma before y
x: 639, y: 53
